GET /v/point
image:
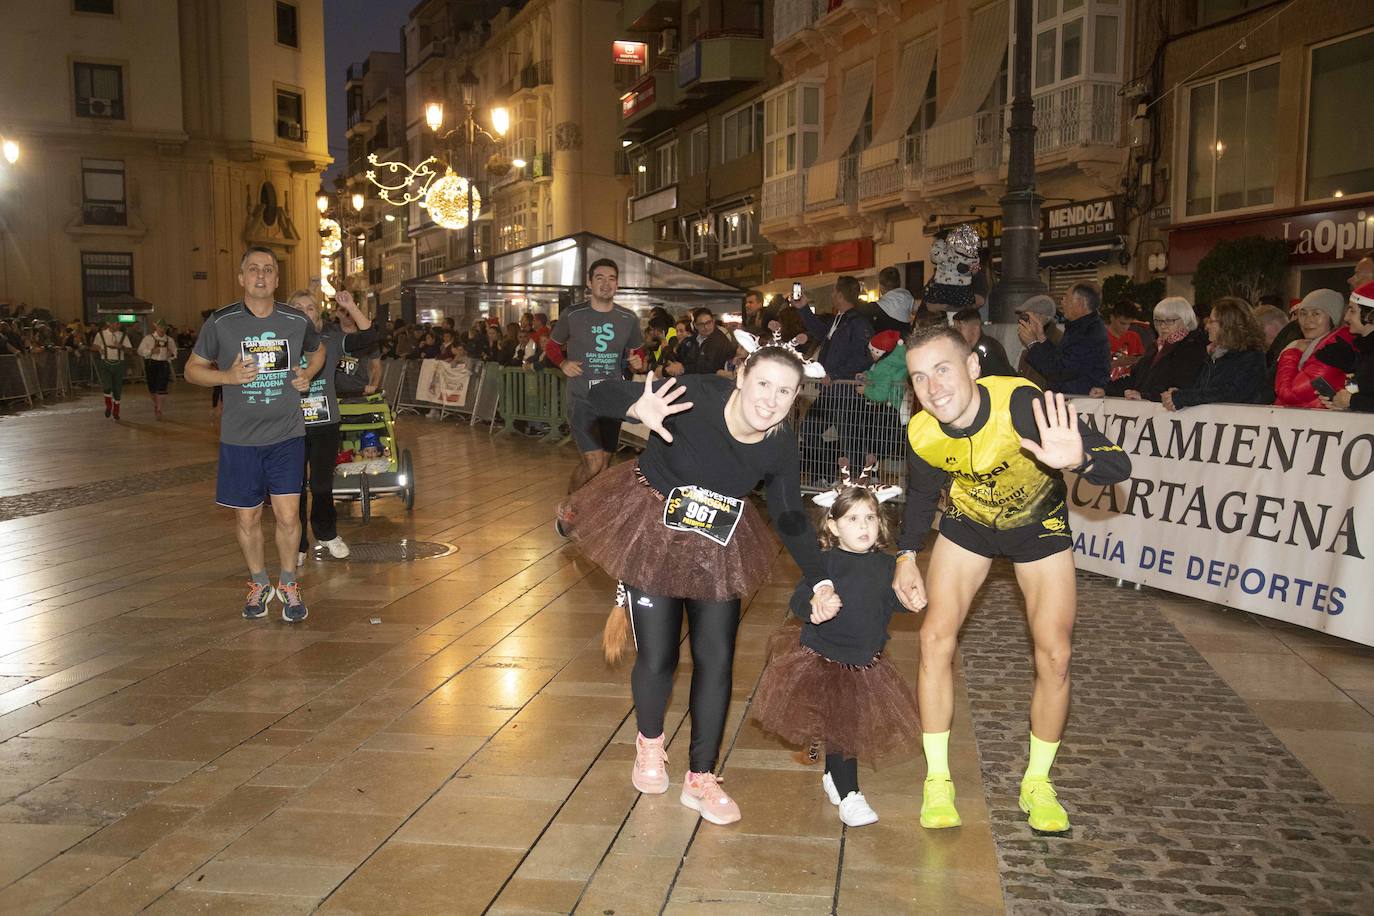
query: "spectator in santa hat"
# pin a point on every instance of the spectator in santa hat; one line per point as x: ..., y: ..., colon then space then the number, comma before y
x: 885, y: 380
x: 1321, y: 315
x: 1356, y: 358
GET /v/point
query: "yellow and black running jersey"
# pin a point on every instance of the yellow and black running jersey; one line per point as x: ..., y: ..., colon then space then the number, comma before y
x: 992, y: 480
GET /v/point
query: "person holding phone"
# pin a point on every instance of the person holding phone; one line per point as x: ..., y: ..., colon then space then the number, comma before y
x: 1355, y: 359
x: 1321, y: 318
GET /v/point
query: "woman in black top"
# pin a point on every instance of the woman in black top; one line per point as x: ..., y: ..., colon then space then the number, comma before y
x: 676, y: 529
x: 1234, y: 372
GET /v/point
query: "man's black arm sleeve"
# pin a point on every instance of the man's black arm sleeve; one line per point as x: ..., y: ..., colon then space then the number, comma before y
x: 923, y: 487
x: 362, y: 340
x: 1104, y: 462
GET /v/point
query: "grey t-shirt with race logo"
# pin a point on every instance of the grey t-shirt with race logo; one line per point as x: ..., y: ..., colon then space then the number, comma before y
x: 598, y: 340
x: 320, y: 405
x: 267, y: 410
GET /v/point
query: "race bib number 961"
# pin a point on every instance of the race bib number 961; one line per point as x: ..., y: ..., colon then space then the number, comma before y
x: 703, y: 512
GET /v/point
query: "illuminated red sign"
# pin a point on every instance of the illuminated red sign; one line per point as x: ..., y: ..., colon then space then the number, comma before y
x: 630, y: 53
x: 638, y: 98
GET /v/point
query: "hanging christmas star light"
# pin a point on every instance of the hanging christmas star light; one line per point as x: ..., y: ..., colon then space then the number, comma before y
x: 401, y: 184
x: 447, y: 201
x: 331, y: 240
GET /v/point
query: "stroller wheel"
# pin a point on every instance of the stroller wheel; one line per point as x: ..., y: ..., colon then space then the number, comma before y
x: 408, y: 469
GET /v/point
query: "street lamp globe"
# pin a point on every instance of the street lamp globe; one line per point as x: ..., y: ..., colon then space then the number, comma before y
x: 500, y: 120
x: 11, y: 150
x: 434, y: 115
x: 358, y: 201
x: 468, y: 83
x: 321, y: 201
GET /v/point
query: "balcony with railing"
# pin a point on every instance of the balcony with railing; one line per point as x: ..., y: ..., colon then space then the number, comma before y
x: 652, y: 204
x: 890, y: 172
x: 783, y: 201
x: 964, y: 149
x: 651, y: 103
x: 535, y: 75
x: 832, y: 189
x: 791, y: 18
x: 1080, y: 114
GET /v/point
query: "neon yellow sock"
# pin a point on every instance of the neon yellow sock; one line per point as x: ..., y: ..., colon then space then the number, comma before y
x: 936, y: 745
x: 1041, y: 758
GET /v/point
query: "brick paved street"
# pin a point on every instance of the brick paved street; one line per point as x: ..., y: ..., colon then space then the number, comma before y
x: 468, y: 753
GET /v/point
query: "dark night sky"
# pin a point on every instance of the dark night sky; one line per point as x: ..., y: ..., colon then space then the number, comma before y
x: 352, y: 28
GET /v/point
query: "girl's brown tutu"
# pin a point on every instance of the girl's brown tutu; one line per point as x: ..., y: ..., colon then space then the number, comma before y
x: 617, y: 523
x: 867, y: 713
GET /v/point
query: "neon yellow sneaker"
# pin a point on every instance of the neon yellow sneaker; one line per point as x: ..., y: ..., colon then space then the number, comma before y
x: 1039, y: 800
x: 937, y: 804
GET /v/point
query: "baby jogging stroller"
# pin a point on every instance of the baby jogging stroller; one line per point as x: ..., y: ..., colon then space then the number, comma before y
x: 365, y: 421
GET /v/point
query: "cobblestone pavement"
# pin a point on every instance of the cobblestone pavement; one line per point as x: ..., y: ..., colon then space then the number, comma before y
x: 25, y: 504
x: 1182, y: 800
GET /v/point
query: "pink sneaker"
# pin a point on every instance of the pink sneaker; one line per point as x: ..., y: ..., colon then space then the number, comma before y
x: 702, y: 793
x: 650, y: 773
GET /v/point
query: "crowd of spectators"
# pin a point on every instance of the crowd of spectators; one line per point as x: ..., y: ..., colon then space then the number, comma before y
x: 1317, y: 352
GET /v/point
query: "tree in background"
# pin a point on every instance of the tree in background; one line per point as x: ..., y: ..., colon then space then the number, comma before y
x: 1146, y: 295
x: 1247, y: 267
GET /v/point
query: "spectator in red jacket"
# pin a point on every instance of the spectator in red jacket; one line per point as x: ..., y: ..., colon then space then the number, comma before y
x: 1319, y: 313
x: 1125, y: 344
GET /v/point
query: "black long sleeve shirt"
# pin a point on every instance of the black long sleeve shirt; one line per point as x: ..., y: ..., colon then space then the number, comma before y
x: 864, y: 583
x: 704, y: 453
x: 1107, y: 463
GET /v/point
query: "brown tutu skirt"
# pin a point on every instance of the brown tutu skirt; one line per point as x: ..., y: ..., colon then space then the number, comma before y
x: 617, y: 523
x: 867, y: 713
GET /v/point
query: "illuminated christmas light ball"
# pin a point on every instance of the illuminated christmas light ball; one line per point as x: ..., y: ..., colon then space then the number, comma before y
x: 447, y: 201
x: 331, y: 239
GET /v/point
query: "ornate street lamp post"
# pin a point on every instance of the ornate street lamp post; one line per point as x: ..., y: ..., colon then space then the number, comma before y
x: 1021, y: 205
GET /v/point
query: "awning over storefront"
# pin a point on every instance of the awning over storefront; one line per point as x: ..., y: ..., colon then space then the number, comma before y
x: 554, y: 273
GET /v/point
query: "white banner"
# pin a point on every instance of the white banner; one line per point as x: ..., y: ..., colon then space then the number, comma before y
x: 441, y: 383
x: 1266, y: 509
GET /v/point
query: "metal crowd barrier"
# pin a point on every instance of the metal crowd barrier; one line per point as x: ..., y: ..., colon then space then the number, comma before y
x: 533, y: 397
x: 408, y: 400
x: 18, y: 378
x: 393, y: 376
x: 837, y: 420
x: 53, y: 371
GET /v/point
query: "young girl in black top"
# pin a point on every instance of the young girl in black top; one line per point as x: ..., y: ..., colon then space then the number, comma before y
x: 677, y: 529
x: 829, y: 683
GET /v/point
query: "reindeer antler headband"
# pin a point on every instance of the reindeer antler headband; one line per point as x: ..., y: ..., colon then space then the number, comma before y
x: 752, y: 345
x: 866, y: 480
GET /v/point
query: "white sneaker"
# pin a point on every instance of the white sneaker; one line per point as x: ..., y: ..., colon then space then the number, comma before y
x: 855, y: 812
x: 831, y: 792
x: 336, y: 547
x: 300, y: 560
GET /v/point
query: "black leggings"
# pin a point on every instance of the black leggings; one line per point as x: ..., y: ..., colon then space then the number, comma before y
x: 317, y: 486
x: 711, y: 627
x: 844, y: 773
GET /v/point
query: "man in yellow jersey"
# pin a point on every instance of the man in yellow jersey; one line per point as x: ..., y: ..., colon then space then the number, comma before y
x: 999, y: 445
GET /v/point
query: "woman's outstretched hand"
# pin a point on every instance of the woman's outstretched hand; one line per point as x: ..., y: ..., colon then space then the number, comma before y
x: 653, y: 407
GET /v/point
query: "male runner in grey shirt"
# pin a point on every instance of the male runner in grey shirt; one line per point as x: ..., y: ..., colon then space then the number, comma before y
x: 594, y: 342
x: 260, y: 342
